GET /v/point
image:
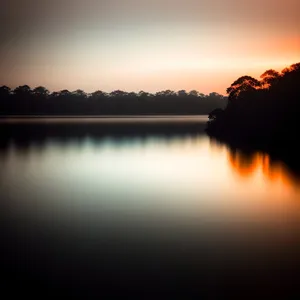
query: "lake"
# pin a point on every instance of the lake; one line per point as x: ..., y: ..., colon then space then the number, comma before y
x: 149, y: 207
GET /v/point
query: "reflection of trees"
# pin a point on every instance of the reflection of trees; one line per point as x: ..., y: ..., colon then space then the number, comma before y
x: 248, y: 164
x: 245, y: 164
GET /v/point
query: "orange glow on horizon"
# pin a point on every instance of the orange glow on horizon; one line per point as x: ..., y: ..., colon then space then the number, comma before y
x: 193, y: 46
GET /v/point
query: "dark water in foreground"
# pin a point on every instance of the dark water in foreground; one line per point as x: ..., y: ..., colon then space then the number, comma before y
x: 151, y: 209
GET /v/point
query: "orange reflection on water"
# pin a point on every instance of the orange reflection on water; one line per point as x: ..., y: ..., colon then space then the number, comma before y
x: 247, y: 165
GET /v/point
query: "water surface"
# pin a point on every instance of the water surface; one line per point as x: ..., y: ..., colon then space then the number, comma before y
x: 147, y: 206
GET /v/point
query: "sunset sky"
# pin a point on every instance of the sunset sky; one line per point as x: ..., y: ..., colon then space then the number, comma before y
x: 152, y: 45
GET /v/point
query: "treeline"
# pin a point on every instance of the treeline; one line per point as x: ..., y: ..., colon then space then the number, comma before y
x: 39, y: 101
x: 264, y: 113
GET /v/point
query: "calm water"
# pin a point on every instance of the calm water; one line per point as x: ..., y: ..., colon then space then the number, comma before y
x: 147, y: 207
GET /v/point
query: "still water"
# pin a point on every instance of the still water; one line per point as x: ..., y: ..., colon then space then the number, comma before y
x: 150, y: 206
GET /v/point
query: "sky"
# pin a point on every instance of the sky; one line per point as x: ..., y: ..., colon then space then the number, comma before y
x: 135, y: 45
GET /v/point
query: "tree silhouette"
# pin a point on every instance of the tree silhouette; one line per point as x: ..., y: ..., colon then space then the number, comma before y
x: 269, y: 78
x: 194, y: 93
x: 40, y: 91
x: 4, y: 91
x: 242, y: 84
x: 98, y: 94
x: 40, y: 101
x: 22, y: 90
x: 182, y: 93
x: 216, y: 113
x: 79, y: 94
x: 64, y: 93
x: 263, y: 113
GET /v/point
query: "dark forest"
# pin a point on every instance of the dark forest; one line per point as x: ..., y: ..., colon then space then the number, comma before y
x: 39, y: 101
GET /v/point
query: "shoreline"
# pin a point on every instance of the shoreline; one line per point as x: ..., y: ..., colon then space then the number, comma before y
x: 177, y: 119
x: 101, y: 116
